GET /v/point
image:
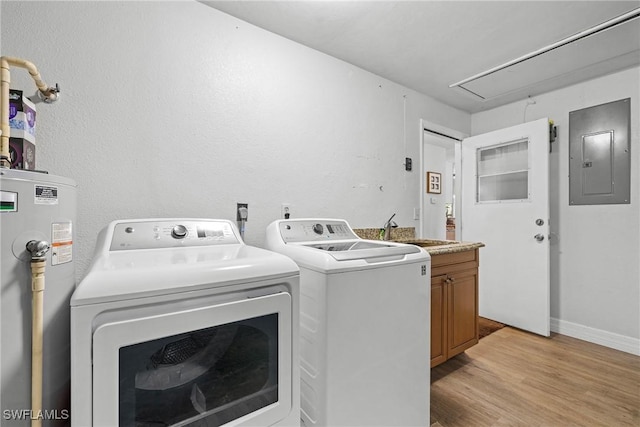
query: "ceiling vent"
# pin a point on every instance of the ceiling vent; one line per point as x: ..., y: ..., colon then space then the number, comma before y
x: 610, y: 46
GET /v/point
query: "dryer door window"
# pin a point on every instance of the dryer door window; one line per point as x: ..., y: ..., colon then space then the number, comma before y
x: 208, y: 375
x: 220, y: 373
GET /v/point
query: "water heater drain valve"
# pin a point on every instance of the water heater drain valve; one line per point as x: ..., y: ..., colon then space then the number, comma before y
x: 38, y: 248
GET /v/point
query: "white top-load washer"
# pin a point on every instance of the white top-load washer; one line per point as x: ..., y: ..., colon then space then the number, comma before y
x: 178, y: 322
x: 365, y: 324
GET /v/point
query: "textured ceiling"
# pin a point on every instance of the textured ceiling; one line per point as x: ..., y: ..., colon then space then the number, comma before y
x: 428, y: 45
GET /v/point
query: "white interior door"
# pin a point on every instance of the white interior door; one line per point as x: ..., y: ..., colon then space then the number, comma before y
x: 505, y: 205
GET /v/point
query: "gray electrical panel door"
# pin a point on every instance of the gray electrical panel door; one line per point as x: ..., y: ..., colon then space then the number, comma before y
x: 599, y: 154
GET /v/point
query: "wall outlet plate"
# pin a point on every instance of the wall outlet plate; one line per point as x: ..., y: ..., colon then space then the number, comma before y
x: 285, y: 210
x: 242, y: 205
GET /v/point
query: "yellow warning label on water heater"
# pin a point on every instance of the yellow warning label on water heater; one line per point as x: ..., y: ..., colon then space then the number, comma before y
x: 61, y: 243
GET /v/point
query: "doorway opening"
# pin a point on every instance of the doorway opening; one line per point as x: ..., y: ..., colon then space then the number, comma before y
x: 440, y: 201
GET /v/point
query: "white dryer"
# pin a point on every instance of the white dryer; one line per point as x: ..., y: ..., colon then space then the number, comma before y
x: 365, y: 324
x: 178, y: 322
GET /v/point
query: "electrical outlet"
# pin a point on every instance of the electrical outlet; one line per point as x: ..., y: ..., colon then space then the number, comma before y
x: 416, y: 213
x: 239, y: 206
x: 285, y: 210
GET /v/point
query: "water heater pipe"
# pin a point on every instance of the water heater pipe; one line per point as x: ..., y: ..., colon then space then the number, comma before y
x: 47, y: 93
x: 38, y: 250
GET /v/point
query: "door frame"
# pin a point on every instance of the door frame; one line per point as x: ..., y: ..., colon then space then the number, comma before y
x: 456, y: 139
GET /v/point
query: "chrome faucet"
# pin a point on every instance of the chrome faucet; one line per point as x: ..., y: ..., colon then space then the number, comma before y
x: 388, y: 226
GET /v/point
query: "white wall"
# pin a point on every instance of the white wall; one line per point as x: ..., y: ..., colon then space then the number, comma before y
x: 174, y: 109
x: 595, y: 250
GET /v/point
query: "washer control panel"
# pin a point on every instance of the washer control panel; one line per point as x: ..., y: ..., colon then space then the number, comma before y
x: 155, y: 234
x: 307, y: 230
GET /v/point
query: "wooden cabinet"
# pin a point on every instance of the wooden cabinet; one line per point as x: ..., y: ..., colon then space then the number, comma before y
x: 438, y: 320
x: 454, y: 304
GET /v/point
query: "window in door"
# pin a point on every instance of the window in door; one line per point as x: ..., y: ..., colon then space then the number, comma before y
x: 503, y: 172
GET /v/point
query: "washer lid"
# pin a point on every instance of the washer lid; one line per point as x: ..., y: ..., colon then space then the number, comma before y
x: 363, y: 249
x: 331, y: 246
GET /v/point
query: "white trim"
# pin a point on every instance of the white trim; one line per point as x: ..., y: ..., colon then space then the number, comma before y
x: 596, y: 336
x: 455, y: 134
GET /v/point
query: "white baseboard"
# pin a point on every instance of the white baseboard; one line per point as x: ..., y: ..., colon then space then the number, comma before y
x: 596, y: 336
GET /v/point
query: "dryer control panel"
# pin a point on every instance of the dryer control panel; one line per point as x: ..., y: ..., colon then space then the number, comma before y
x: 307, y: 230
x: 156, y: 234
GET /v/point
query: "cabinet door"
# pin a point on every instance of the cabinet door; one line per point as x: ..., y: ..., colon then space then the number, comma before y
x: 462, y: 301
x: 438, y: 320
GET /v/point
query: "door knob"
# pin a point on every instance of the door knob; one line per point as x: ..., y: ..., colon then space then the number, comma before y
x: 539, y: 237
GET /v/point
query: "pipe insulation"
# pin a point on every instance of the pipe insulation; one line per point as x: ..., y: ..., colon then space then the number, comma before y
x: 37, y: 293
x: 38, y: 250
x: 48, y: 94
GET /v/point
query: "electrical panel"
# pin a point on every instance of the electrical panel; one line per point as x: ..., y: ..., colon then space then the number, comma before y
x: 599, y: 154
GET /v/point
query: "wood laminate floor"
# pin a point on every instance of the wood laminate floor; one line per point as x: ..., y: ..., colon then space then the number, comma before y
x: 514, y: 378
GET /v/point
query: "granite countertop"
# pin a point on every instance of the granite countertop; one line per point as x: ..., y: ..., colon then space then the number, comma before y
x: 407, y: 235
x: 396, y: 233
x: 440, y: 247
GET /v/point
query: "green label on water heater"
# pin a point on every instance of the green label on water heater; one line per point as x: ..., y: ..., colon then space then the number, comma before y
x: 8, y: 201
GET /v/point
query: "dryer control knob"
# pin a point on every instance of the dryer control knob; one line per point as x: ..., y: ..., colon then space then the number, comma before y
x: 317, y: 228
x: 179, y: 232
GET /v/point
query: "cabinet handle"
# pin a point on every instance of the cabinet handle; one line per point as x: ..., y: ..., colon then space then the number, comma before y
x: 451, y: 280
